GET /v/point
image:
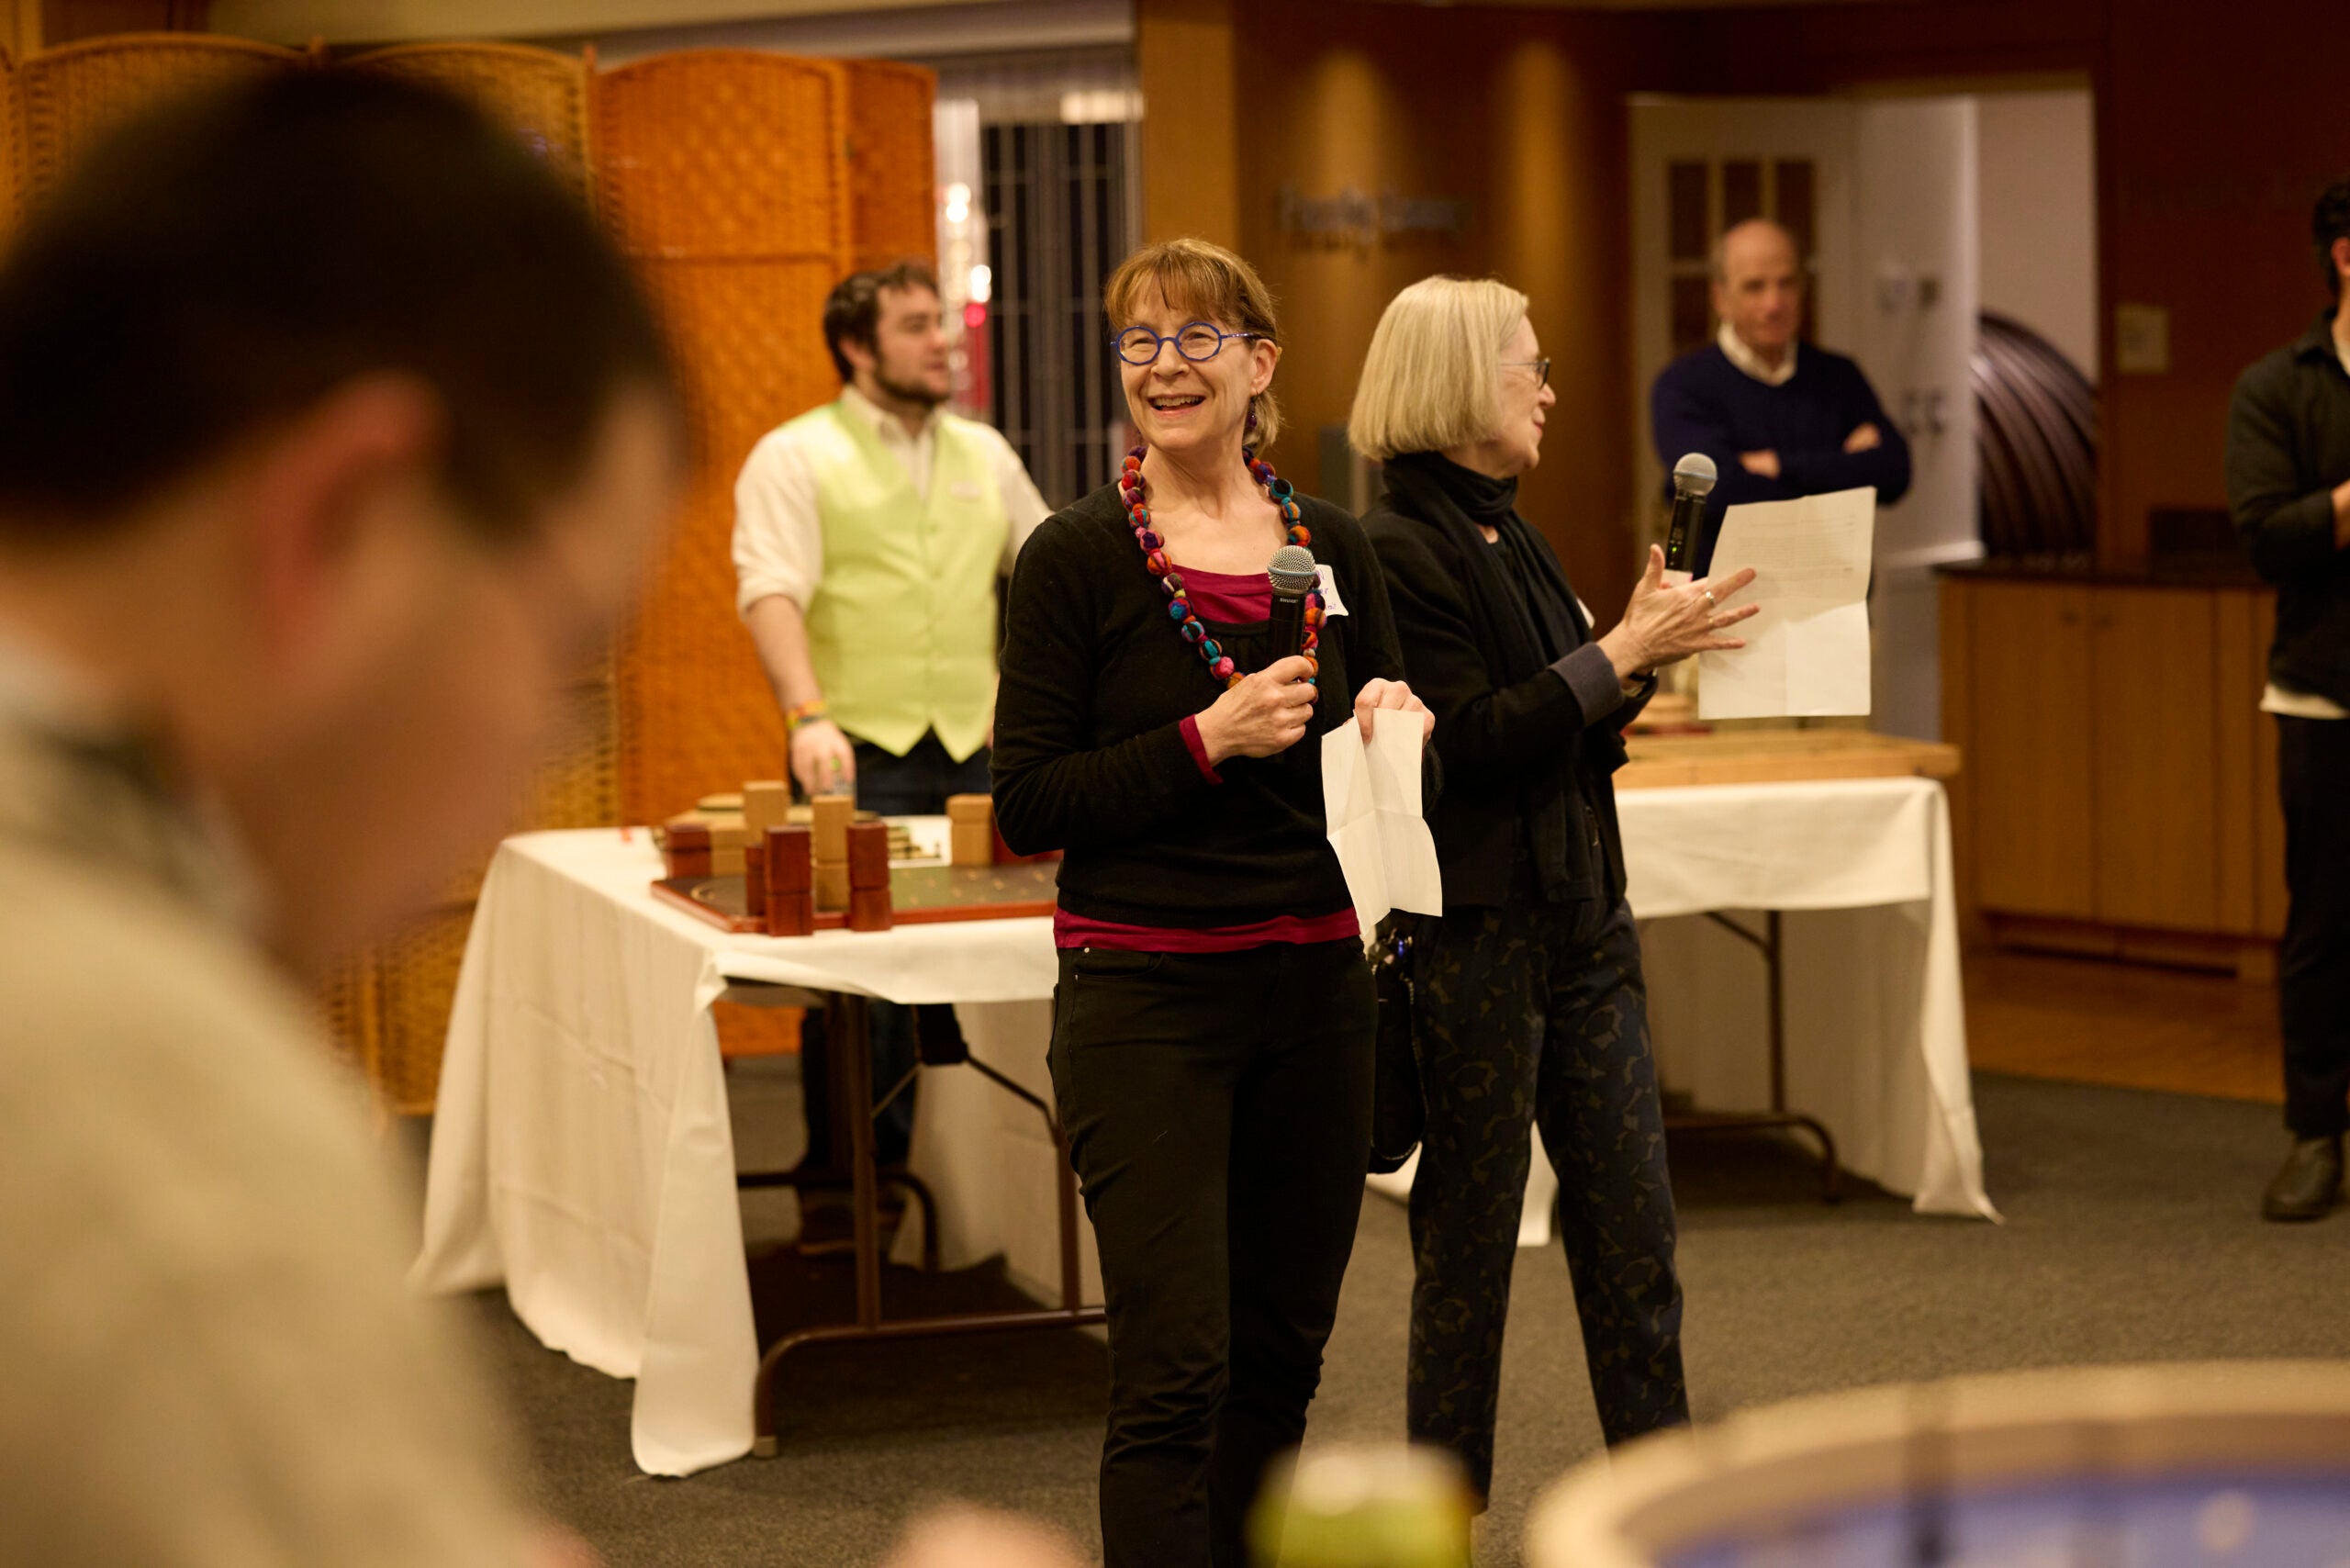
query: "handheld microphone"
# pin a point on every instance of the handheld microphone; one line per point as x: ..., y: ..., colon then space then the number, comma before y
x: 1292, y: 577
x: 1693, y: 481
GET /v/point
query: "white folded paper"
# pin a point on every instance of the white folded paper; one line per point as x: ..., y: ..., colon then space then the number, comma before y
x: 1370, y: 798
x: 1808, y: 651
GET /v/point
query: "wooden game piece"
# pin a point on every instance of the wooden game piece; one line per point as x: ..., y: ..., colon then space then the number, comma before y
x: 767, y: 803
x: 971, y: 827
x: 792, y: 887
x: 832, y: 885
x: 729, y: 862
x: 833, y: 815
x: 685, y: 846
x: 791, y: 861
x: 729, y: 833
x: 869, y: 876
x: 755, y: 883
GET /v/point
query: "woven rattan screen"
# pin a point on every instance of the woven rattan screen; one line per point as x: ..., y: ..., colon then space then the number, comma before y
x: 543, y: 94
x: 65, y: 99
x: 722, y: 176
x: 893, y: 156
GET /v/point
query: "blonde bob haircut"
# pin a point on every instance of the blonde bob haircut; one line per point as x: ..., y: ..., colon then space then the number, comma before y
x: 1202, y: 282
x: 1432, y: 377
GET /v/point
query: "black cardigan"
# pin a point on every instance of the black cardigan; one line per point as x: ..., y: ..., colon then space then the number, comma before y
x: 1529, y: 747
x: 1089, y: 753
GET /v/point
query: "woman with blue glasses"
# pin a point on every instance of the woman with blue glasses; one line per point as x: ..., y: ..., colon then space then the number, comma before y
x: 1213, y: 1027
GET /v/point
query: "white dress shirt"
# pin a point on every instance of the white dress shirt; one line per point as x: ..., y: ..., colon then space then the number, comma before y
x: 1746, y: 359
x: 778, y: 539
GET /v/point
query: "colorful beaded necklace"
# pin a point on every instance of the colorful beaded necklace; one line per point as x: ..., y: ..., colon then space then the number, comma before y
x: 1179, y: 603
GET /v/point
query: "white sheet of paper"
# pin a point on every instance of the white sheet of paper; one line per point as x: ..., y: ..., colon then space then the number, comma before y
x: 1371, y: 799
x: 1807, y: 652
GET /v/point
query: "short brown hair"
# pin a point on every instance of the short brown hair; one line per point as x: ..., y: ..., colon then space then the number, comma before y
x: 224, y: 261
x: 853, y: 310
x: 1194, y: 274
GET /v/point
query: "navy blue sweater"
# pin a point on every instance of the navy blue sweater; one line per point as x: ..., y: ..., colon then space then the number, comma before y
x: 1701, y: 402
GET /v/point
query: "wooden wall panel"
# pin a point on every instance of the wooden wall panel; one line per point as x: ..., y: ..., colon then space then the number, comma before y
x: 2269, y: 810
x: 2152, y: 660
x: 2034, y: 804
x: 2237, y: 672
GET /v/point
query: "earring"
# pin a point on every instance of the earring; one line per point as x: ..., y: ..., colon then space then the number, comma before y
x: 1252, y: 420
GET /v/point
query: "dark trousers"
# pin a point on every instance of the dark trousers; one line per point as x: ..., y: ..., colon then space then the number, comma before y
x: 917, y: 784
x: 1535, y: 1016
x: 1218, y: 1108
x: 2314, y: 964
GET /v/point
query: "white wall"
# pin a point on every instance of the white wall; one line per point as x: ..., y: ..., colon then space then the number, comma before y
x: 2035, y: 156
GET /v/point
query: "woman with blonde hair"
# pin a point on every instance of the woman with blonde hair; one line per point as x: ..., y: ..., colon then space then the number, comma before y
x: 1212, y: 1029
x: 1528, y: 1009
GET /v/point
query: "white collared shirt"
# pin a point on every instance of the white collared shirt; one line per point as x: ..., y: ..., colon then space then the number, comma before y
x: 778, y: 537
x: 1747, y: 360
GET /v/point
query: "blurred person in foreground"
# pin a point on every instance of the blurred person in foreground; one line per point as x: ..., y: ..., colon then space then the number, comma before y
x: 1781, y: 419
x: 1530, y: 1009
x: 331, y: 434
x: 2288, y: 487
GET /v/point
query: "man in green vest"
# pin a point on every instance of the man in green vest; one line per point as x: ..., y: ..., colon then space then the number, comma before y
x: 869, y: 534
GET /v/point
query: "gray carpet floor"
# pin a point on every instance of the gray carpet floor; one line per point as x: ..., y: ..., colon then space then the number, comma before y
x: 2131, y: 1234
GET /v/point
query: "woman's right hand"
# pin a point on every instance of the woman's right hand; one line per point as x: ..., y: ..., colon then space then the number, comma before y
x: 1267, y: 712
x: 1666, y: 623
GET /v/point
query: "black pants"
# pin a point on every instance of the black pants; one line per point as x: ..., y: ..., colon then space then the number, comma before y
x: 2314, y: 965
x: 1535, y: 1015
x: 1218, y: 1107
x: 917, y: 784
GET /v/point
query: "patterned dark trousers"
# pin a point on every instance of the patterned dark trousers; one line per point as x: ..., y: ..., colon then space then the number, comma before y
x: 1538, y: 1016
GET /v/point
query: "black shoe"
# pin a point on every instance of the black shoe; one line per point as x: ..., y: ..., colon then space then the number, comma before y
x: 2309, y: 1184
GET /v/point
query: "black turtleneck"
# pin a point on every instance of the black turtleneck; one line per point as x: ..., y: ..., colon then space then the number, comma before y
x: 1528, y: 705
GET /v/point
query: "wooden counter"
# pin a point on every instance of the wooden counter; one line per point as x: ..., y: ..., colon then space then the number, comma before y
x: 1779, y: 757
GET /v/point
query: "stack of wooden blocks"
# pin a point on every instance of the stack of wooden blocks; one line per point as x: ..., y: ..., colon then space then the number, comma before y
x: 971, y: 828
x: 791, y: 873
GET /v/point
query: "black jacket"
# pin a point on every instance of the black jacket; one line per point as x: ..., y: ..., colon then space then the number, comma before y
x: 1529, y: 746
x: 1089, y: 755
x: 2288, y: 446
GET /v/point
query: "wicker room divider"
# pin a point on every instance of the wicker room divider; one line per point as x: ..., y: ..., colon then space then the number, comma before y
x: 744, y: 185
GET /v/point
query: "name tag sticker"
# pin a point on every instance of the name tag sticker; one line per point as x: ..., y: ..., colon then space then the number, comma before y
x: 1331, y: 603
x: 964, y: 490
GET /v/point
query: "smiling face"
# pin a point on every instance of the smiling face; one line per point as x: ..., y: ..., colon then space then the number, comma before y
x: 1760, y: 289
x: 1183, y: 405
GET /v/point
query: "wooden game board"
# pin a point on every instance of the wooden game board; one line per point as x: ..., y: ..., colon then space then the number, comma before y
x: 919, y: 895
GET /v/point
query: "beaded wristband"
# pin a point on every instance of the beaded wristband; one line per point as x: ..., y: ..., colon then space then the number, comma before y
x: 803, y: 713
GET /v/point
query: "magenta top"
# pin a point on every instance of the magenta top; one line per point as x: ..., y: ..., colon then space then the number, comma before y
x: 1236, y: 599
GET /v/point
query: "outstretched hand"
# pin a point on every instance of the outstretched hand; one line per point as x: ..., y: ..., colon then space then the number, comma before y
x: 1664, y: 623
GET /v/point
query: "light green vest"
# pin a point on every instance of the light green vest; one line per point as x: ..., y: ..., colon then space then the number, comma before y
x: 901, y: 629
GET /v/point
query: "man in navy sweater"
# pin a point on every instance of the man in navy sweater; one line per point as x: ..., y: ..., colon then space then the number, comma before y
x: 1778, y: 423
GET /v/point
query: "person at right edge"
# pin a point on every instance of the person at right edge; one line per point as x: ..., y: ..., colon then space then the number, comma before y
x: 1530, y: 1009
x: 2289, y: 491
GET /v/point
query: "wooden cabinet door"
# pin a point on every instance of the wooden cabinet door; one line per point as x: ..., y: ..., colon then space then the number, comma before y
x: 2267, y: 805
x: 2030, y: 759
x: 2153, y: 681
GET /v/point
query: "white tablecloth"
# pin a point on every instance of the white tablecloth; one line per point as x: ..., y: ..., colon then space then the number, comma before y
x: 582, y: 1153
x: 1876, y: 1022
x: 581, y: 1149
